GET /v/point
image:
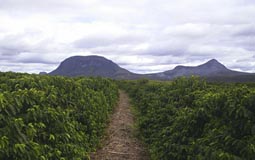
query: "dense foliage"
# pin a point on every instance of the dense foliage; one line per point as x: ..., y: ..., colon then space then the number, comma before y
x: 192, y: 119
x: 44, y: 117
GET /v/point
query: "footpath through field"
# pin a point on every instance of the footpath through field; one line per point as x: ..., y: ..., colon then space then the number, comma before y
x: 121, y: 144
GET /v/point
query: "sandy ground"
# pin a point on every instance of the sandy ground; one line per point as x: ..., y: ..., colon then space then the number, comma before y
x: 120, y: 142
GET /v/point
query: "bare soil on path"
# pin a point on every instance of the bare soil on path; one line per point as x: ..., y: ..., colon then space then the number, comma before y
x: 120, y: 142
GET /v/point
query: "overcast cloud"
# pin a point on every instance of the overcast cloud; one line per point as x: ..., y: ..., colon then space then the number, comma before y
x: 142, y: 36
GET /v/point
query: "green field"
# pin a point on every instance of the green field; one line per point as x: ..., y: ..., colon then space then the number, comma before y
x: 190, y: 119
x: 51, y: 117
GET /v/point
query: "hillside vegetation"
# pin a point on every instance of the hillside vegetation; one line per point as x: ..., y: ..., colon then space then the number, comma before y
x: 50, y: 118
x: 189, y: 119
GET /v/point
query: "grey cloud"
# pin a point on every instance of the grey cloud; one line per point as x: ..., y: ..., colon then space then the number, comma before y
x: 37, y: 60
x: 248, y: 30
x: 108, y: 40
x: 8, y: 51
x: 244, y: 60
x: 246, y: 43
x: 24, y: 67
x: 20, y: 48
x: 14, y: 44
x: 92, y: 43
x: 243, y: 67
x: 161, y: 52
x: 163, y: 32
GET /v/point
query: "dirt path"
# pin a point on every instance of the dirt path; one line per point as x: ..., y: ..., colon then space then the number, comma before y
x: 120, y: 143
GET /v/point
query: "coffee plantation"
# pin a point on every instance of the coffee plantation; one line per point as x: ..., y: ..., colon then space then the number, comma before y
x: 191, y: 119
x: 50, y: 118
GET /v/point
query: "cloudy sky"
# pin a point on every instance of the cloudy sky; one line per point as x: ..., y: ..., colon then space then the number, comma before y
x: 143, y: 36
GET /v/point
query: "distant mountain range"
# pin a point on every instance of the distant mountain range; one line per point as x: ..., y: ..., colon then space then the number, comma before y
x: 100, y: 66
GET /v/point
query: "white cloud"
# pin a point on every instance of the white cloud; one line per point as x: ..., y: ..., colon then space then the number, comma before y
x: 144, y: 35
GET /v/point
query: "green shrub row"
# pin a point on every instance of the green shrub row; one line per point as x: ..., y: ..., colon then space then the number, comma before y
x: 190, y: 119
x: 50, y: 117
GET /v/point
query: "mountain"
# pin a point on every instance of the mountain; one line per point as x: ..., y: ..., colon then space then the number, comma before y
x: 100, y: 66
x: 43, y: 73
x: 92, y: 66
x: 212, y: 68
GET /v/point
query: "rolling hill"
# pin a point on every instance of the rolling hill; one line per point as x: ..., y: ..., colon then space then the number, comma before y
x: 102, y: 67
